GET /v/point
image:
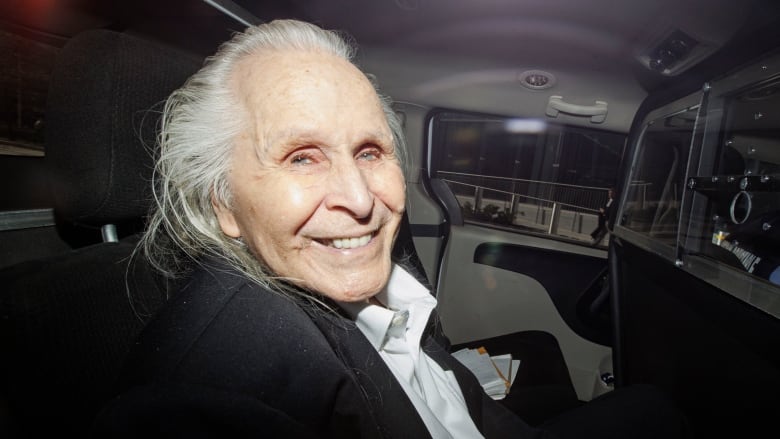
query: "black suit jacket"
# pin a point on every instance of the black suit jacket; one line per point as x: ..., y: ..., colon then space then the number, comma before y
x: 226, y: 357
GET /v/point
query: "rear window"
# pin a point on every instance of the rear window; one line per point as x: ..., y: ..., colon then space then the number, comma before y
x: 24, y: 80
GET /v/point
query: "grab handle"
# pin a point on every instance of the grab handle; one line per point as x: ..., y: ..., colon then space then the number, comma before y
x: 597, y: 112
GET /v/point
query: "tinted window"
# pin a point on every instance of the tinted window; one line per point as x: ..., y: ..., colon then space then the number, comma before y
x: 524, y: 173
x: 24, y: 78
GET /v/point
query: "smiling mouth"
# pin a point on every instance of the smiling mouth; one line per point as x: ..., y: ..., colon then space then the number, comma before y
x: 347, y: 243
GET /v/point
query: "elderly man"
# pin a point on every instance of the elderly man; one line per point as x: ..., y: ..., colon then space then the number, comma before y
x: 280, y: 193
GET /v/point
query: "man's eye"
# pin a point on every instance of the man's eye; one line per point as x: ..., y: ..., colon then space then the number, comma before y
x: 301, y: 159
x: 369, y: 155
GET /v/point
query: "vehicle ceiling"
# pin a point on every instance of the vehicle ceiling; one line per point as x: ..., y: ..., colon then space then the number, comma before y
x: 466, y: 54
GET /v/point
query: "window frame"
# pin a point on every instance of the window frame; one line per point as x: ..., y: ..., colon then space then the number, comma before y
x: 640, y: 239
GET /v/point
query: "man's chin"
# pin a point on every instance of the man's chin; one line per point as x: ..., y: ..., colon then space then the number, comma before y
x: 353, y: 281
x: 345, y: 291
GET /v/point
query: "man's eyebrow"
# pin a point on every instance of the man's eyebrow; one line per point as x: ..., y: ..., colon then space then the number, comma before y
x: 296, y: 136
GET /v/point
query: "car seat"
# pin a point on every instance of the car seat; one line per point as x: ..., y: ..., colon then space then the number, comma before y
x: 67, y: 321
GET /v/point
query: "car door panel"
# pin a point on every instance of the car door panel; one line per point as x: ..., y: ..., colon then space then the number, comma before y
x: 480, y: 301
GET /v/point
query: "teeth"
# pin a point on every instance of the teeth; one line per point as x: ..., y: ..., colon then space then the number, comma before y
x: 347, y: 243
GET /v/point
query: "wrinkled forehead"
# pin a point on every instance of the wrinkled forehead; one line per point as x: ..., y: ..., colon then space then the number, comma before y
x: 274, y: 79
x: 321, y: 95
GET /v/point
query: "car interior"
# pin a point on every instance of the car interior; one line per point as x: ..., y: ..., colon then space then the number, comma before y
x: 519, y: 117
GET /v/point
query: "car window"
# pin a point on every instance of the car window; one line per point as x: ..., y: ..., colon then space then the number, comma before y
x: 525, y: 174
x: 24, y: 79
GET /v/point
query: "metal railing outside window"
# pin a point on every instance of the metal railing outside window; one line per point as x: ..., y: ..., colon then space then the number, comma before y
x: 553, y: 208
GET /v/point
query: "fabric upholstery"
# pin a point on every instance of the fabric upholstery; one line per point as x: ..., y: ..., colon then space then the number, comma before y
x: 67, y: 323
x: 99, y: 130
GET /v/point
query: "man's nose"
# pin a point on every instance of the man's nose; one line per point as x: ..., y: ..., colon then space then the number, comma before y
x: 349, y: 189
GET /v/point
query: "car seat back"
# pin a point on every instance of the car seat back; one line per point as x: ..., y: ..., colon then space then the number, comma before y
x: 67, y: 321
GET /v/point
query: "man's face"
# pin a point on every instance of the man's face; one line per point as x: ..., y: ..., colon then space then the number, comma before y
x: 318, y: 193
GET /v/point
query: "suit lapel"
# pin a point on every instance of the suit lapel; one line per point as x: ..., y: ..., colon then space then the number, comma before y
x: 391, y: 407
x: 392, y: 410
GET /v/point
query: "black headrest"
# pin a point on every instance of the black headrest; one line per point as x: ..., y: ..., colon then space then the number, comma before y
x: 100, y: 131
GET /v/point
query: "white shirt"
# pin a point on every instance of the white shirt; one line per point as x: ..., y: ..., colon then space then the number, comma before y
x: 395, y: 332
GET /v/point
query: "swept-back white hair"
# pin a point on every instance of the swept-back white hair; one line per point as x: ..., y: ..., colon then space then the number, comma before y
x: 199, y: 125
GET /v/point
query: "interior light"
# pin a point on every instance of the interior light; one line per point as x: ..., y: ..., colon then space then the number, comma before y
x: 536, y: 79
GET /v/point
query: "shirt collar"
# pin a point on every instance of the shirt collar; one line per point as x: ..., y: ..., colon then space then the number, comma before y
x: 408, y: 305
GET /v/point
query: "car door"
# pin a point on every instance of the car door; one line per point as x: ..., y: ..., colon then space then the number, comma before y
x: 520, y: 198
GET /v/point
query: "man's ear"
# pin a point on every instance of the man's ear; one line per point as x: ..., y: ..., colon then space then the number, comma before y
x: 227, y: 221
